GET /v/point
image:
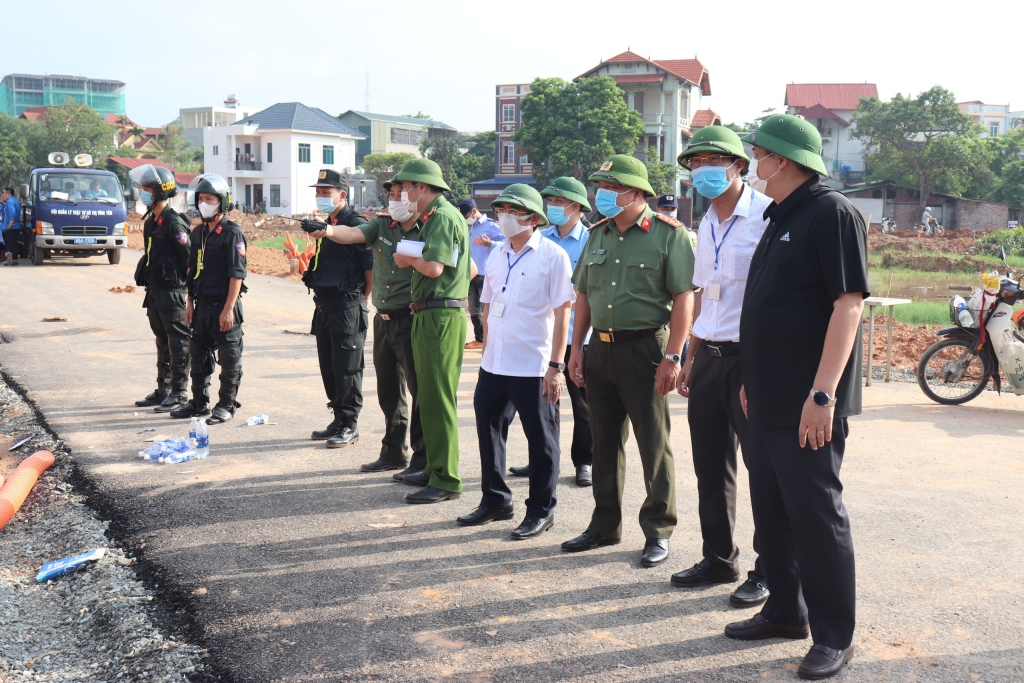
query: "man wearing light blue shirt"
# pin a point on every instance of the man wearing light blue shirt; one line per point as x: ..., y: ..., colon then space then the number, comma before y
x: 11, y: 221
x: 483, y: 235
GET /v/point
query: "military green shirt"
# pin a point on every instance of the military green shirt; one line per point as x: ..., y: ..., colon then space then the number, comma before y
x: 391, y: 284
x: 629, y: 278
x: 443, y: 229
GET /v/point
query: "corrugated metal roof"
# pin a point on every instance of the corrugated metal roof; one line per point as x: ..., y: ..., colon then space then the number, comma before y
x: 430, y: 123
x: 297, y: 116
x: 829, y: 95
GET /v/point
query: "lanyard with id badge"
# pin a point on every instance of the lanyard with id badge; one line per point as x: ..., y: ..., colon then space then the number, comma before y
x: 715, y: 283
x: 498, y: 305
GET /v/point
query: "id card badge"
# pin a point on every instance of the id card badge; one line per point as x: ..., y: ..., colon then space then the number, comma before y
x: 498, y: 305
x: 715, y: 287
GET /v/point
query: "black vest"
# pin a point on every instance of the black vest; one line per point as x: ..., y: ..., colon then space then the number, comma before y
x: 165, y: 259
x: 219, y: 255
x: 338, y: 268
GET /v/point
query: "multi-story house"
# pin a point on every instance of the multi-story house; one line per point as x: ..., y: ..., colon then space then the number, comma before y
x: 830, y: 107
x: 511, y: 165
x: 384, y: 133
x: 995, y: 119
x: 194, y: 119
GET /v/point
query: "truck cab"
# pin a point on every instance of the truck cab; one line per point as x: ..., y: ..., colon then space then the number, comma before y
x: 77, y: 212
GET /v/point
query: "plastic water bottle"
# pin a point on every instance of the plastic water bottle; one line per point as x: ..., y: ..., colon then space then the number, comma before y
x: 963, y: 314
x: 257, y: 420
x: 192, y: 431
x: 202, y: 440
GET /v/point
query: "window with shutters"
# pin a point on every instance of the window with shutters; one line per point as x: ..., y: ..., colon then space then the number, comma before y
x: 275, y: 195
x: 329, y: 155
x: 303, y: 153
x: 270, y: 152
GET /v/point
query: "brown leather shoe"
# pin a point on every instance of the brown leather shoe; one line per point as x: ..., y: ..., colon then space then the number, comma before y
x: 822, y: 661
x: 758, y: 627
x: 474, y: 345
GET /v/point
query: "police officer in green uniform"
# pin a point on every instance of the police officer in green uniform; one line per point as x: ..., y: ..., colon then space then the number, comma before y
x: 339, y: 275
x: 634, y: 278
x: 392, y: 333
x: 162, y: 271
x: 440, y: 285
x: 216, y: 268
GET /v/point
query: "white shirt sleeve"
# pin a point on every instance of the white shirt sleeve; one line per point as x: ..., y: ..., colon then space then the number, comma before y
x: 704, y: 241
x: 560, y: 289
x: 487, y: 291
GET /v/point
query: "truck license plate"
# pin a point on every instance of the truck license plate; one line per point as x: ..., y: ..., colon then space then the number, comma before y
x: 85, y: 240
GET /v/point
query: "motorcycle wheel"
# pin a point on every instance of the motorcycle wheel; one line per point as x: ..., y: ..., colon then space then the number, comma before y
x: 939, y: 230
x: 951, y: 374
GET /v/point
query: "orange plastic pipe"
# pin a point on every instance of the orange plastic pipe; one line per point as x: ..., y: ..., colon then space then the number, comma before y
x: 17, y: 488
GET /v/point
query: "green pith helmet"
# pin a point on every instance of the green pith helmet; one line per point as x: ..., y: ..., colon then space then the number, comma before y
x: 568, y: 188
x: 519, y: 194
x: 714, y: 139
x: 623, y: 169
x: 790, y: 137
x: 422, y: 171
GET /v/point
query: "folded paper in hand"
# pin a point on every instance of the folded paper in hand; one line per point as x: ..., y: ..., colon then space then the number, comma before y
x: 414, y: 249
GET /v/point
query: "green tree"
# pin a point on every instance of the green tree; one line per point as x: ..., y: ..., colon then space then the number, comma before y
x: 14, y: 150
x: 179, y: 152
x: 75, y: 129
x: 383, y: 166
x: 478, y: 161
x: 663, y: 177
x: 924, y: 142
x: 444, y: 149
x: 418, y: 115
x: 570, y: 128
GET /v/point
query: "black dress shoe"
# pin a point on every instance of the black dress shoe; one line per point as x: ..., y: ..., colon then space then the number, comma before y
x: 584, y: 475
x: 154, y: 399
x: 170, y: 403
x: 752, y: 593
x: 346, y: 437
x: 700, y: 574
x: 420, y: 478
x: 588, y: 540
x: 533, y: 527
x: 758, y: 628
x: 408, y: 471
x: 191, y: 409
x: 519, y: 471
x: 220, y: 414
x: 324, y: 434
x: 429, y: 494
x: 483, y: 515
x: 823, y: 661
x: 655, y: 552
x: 381, y: 465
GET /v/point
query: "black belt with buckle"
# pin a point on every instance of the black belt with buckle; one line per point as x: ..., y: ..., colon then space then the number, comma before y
x: 438, y: 303
x: 722, y: 349
x: 394, y: 314
x: 627, y: 335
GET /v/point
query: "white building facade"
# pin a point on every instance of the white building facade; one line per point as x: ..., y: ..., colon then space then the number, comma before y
x: 995, y: 119
x: 275, y: 155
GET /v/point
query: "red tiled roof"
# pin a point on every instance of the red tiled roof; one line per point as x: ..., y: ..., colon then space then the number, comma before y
x: 705, y: 117
x: 829, y: 95
x: 820, y: 112
x: 640, y: 78
x: 690, y: 70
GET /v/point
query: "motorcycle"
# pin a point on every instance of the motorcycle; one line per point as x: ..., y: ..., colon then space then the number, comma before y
x: 958, y: 367
x: 933, y: 228
x: 888, y: 225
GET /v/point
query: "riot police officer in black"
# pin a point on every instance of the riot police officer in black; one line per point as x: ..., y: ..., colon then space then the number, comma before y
x: 161, y: 271
x: 216, y: 268
x: 340, y: 276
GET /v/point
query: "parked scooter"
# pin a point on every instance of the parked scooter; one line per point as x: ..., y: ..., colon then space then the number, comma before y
x: 933, y: 228
x: 959, y: 366
x: 888, y: 225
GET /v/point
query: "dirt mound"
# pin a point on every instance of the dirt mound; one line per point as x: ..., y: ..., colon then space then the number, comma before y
x: 935, y: 264
x: 908, y: 343
x: 909, y: 242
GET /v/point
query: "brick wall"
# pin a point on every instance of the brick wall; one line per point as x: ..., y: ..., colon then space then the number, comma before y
x: 982, y: 215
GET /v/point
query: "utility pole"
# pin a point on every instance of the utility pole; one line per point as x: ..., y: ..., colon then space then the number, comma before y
x: 366, y: 95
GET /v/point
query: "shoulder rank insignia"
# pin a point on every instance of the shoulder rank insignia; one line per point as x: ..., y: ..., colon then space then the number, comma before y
x: 427, y: 215
x: 671, y: 221
x: 645, y: 224
x: 603, y: 220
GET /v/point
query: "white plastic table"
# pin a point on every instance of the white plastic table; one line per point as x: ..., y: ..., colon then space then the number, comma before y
x: 872, y: 302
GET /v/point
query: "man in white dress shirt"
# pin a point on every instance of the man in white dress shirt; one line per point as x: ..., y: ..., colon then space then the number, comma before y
x: 527, y: 296
x: 710, y: 376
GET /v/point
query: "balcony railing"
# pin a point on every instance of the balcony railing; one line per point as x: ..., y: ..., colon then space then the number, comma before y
x: 250, y: 163
x: 849, y: 176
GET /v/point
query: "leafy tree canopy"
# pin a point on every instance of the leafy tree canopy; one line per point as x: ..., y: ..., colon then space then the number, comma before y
x: 661, y: 176
x: 384, y: 166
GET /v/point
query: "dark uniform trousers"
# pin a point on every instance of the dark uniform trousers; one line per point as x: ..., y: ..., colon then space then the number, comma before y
x: 497, y: 400
x: 582, y: 449
x: 717, y: 425
x: 620, y: 390
x: 476, y: 309
x: 804, y: 531
x: 339, y: 325
x: 208, y: 339
x: 165, y: 308
x: 394, y: 366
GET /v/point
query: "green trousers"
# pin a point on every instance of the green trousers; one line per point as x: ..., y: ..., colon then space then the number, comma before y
x: 620, y: 390
x: 438, y: 337
x: 394, y: 366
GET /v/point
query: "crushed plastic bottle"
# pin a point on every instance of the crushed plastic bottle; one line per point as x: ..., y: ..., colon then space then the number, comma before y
x: 257, y: 420
x: 202, y: 440
x: 174, y: 450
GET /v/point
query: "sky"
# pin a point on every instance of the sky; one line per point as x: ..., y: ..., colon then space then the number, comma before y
x: 444, y: 57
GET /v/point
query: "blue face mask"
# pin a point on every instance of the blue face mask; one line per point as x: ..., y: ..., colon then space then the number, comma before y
x: 711, y: 181
x: 146, y: 197
x: 606, y: 201
x: 325, y: 204
x: 556, y: 214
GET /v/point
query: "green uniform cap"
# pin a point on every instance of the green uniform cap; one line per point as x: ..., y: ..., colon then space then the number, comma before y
x: 715, y: 139
x: 520, y: 194
x: 790, y: 137
x: 623, y: 169
x: 568, y: 188
x: 422, y: 171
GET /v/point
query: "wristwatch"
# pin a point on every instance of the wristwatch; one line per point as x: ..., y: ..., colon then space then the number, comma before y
x: 557, y: 366
x: 822, y: 399
x: 674, y: 357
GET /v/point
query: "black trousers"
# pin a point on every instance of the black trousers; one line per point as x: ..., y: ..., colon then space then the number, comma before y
x: 717, y: 426
x: 12, y: 242
x: 804, y: 531
x: 165, y: 308
x: 394, y: 365
x: 582, y: 450
x: 496, y: 401
x: 476, y: 309
x: 340, y: 336
x: 208, y: 339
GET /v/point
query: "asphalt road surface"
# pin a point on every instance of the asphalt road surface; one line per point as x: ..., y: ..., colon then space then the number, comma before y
x: 291, y: 565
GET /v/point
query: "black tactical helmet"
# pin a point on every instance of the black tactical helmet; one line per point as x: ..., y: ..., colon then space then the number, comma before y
x: 210, y: 183
x: 159, y: 178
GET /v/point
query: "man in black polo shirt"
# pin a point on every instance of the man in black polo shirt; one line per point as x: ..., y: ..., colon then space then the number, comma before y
x: 801, y: 360
x: 340, y: 276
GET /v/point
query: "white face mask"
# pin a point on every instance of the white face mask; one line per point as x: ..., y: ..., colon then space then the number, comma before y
x: 398, y: 210
x: 510, y: 225
x: 410, y: 205
x: 208, y: 210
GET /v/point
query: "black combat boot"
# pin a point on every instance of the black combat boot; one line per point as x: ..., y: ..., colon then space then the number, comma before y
x: 180, y: 362
x: 163, y: 374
